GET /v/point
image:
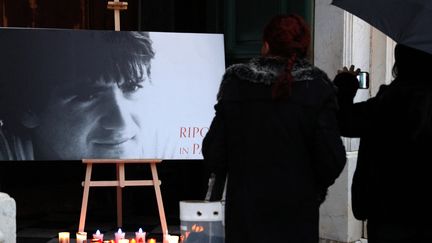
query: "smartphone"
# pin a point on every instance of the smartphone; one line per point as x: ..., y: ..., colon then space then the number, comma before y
x: 363, y: 78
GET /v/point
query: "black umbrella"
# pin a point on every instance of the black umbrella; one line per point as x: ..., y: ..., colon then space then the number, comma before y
x: 407, y: 22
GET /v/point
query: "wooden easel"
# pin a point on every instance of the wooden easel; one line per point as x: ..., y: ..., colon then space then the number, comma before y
x: 119, y: 183
x: 117, y: 6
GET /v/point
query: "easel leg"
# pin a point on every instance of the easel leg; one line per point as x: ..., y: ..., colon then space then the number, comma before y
x: 119, y: 171
x: 85, y: 197
x: 159, y: 199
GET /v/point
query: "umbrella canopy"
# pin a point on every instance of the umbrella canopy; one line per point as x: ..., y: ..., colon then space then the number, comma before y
x: 407, y: 22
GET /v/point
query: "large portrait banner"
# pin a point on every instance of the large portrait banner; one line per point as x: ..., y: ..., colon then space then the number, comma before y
x: 75, y: 94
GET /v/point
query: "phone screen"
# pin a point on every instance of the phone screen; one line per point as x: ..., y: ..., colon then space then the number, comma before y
x: 363, y: 78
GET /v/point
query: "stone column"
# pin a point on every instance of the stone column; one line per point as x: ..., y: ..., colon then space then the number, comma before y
x: 340, y: 40
x: 7, y: 219
x: 337, y: 223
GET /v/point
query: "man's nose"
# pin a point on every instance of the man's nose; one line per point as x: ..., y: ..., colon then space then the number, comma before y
x: 116, y: 113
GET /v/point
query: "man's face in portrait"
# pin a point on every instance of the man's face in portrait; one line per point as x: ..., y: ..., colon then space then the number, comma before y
x: 101, y: 119
x: 81, y: 94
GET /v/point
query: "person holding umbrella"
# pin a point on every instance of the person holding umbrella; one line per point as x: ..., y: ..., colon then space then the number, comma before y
x: 391, y: 181
x: 392, y: 178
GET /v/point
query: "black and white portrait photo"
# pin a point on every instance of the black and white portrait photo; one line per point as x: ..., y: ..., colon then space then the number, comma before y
x: 76, y: 94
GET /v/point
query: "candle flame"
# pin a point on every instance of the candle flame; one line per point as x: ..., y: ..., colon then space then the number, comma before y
x: 197, y: 228
x: 97, y: 232
x: 140, y: 230
x: 119, y: 231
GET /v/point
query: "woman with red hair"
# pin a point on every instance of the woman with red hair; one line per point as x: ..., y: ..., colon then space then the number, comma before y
x: 276, y: 137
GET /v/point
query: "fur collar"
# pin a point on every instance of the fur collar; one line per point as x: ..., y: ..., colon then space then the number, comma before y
x: 265, y: 70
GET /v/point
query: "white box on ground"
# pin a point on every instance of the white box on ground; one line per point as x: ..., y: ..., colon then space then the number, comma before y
x: 202, y: 221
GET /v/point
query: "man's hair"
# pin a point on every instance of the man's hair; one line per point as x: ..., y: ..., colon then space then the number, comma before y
x: 33, y: 62
x: 411, y: 63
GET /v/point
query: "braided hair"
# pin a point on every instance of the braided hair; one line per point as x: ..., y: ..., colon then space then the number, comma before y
x: 288, y: 36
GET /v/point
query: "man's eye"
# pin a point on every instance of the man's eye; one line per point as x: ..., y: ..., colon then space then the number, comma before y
x: 84, y: 98
x: 130, y: 87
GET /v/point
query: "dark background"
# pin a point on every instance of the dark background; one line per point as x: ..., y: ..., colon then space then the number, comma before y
x: 241, y: 21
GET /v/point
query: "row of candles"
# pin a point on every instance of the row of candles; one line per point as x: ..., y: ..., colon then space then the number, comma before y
x: 119, y: 237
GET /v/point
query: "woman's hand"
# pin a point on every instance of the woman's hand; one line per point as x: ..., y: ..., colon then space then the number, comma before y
x: 350, y: 70
x: 347, y: 83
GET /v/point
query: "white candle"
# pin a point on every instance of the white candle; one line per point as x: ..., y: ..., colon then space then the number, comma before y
x: 172, y: 238
x: 98, y: 235
x: 119, y: 235
x: 140, y: 236
x: 81, y: 237
x: 64, y: 237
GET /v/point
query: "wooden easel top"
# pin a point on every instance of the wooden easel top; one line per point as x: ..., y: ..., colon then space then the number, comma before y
x: 117, y: 161
x: 117, y: 6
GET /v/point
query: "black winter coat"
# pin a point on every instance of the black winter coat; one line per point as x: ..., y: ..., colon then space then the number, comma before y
x: 280, y: 156
x: 391, y: 183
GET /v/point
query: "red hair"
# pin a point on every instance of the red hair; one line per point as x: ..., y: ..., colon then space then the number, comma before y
x: 287, y: 36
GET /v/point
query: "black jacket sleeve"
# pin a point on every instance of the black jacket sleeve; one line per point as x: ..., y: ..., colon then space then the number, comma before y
x: 329, y: 151
x: 354, y: 119
x: 215, y: 153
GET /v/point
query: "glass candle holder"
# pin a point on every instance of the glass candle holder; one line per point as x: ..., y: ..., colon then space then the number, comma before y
x: 81, y: 237
x: 64, y: 237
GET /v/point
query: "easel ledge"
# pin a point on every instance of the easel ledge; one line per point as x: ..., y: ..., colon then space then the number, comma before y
x: 116, y: 161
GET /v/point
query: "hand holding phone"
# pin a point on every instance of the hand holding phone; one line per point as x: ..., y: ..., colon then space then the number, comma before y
x: 362, y: 77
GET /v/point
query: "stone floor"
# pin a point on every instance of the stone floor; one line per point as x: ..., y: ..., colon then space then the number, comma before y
x: 45, y: 229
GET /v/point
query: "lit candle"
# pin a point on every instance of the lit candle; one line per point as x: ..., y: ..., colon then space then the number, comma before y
x: 64, y: 237
x: 151, y: 240
x: 81, y: 237
x: 140, y: 236
x: 132, y: 241
x: 119, y: 235
x: 98, y: 236
x: 172, y: 238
